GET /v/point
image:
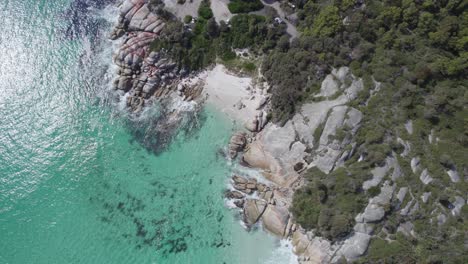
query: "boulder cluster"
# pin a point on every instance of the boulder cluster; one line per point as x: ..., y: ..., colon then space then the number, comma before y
x: 237, y: 144
x: 320, y: 135
x: 260, y: 202
x: 142, y: 73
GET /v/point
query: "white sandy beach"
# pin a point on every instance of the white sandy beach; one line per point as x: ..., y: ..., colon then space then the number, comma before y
x: 225, y: 91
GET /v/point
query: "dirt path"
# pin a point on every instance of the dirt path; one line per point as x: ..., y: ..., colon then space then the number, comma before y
x: 291, y: 29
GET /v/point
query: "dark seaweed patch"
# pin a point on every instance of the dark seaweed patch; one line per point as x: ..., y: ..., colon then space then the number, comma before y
x: 155, y: 133
x: 80, y: 19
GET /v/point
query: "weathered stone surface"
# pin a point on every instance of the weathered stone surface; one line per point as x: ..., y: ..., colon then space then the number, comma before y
x: 414, y: 209
x: 329, y: 86
x: 262, y: 102
x: 409, y: 127
x: 251, y: 186
x: 406, y: 228
x: 425, y: 196
x: 406, y: 209
x: 402, y: 193
x: 234, y: 195
x: 275, y: 219
x: 425, y: 177
x: 454, y: 176
x: 311, y: 249
x: 266, y: 195
x: 352, y: 91
x: 335, y: 120
x: 239, y: 180
x: 415, y: 164
x: 355, y: 246
x: 378, y: 173
x: 240, y: 186
x: 252, y: 126
x: 237, y: 144
x: 341, y: 74
x: 261, y: 187
x: 329, y: 151
x: 373, y: 213
x: 441, y: 219
x: 406, y: 145
x: 239, y: 203
x: 253, y: 210
x: 385, y: 195
x: 458, y: 204
x: 364, y: 228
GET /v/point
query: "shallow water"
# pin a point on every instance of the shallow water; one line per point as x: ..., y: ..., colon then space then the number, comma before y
x: 75, y: 186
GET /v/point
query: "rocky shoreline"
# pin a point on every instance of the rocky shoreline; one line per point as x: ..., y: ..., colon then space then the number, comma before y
x: 146, y: 77
x: 280, y: 154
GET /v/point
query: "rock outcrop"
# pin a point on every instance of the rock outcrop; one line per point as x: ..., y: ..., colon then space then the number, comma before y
x: 143, y: 74
x: 317, y: 136
x: 237, y: 144
x: 281, y: 151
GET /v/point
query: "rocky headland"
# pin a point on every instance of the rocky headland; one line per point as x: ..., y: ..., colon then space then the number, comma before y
x: 280, y: 153
x: 145, y: 77
x: 320, y: 135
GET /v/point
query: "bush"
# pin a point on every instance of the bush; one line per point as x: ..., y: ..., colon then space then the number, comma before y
x: 199, y: 48
x: 249, y: 66
x: 204, y: 10
x: 328, y: 202
x: 244, y: 6
x: 373, y: 191
x: 390, y: 252
x: 188, y: 19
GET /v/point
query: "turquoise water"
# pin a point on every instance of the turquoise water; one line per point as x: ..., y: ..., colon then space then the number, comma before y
x: 75, y: 187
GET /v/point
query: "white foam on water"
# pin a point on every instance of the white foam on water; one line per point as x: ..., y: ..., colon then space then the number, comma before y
x: 283, y: 254
x: 249, y: 173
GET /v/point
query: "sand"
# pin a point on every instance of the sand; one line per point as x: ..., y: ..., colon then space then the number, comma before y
x: 225, y: 90
x: 180, y: 11
x: 220, y: 10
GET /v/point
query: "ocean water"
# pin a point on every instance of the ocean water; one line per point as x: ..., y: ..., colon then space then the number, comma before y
x: 75, y: 184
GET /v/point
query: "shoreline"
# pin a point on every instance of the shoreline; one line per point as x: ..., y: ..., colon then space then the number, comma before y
x: 237, y: 97
x: 145, y: 76
x: 279, y: 154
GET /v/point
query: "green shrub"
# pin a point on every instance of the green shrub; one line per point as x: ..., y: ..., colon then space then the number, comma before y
x: 373, y: 191
x: 249, y: 66
x: 244, y: 6
x: 188, y: 19
x: 204, y: 10
x: 328, y: 203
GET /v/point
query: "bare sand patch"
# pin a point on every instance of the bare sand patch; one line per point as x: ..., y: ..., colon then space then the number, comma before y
x: 220, y: 10
x: 180, y: 11
x: 235, y: 96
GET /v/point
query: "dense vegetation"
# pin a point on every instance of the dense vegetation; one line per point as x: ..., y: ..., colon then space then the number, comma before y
x: 329, y: 203
x: 418, y: 50
x: 196, y: 46
x: 402, y: 43
x: 244, y: 6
